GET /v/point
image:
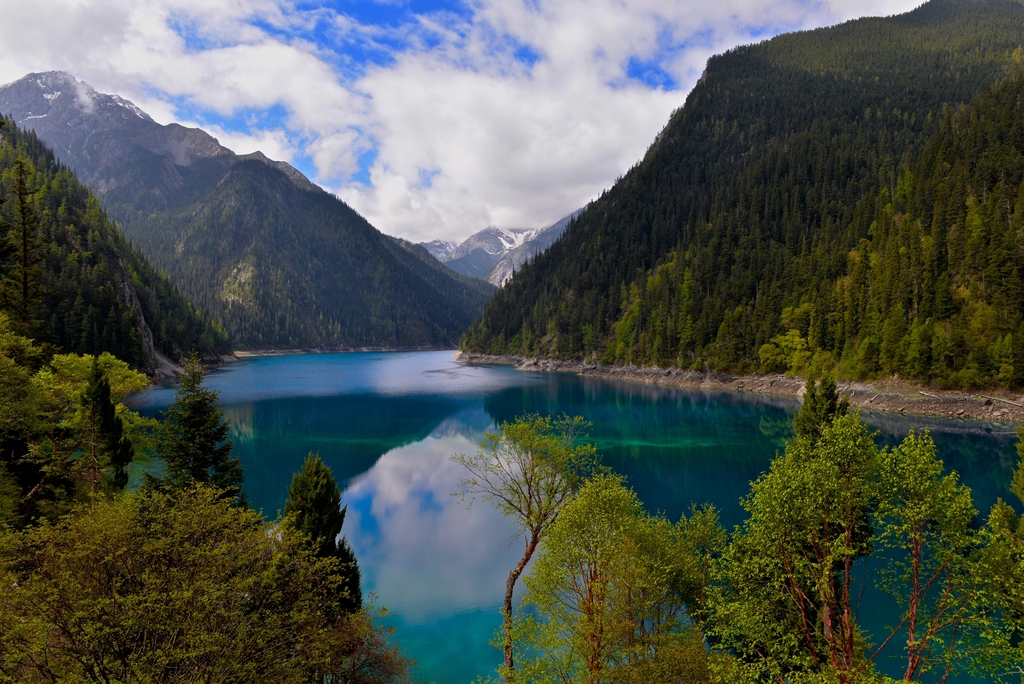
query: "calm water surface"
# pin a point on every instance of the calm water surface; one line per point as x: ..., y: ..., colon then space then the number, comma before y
x: 386, y: 424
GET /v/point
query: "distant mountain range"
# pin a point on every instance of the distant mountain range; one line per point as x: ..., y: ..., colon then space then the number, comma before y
x: 279, y: 261
x: 495, y: 254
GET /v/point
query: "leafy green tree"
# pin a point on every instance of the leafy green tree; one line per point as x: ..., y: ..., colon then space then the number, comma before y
x: 194, y: 443
x: 820, y: 407
x: 789, y: 611
x: 1003, y: 563
x: 314, y: 509
x: 528, y: 470
x: 603, y: 601
x: 65, y: 431
x: 19, y: 413
x: 787, y: 598
x: 177, y: 587
x: 108, y: 449
x: 926, y: 519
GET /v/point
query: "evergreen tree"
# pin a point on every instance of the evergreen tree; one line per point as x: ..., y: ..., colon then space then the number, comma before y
x: 21, y: 286
x: 194, y: 442
x: 821, y: 406
x: 314, y: 508
x: 108, y: 448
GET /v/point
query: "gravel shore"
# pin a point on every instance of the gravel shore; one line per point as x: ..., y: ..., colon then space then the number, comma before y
x: 888, y: 396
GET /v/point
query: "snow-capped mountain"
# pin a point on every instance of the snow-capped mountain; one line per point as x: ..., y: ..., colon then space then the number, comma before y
x: 494, y: 254
x: 439, y: 249
x: 94, y: 133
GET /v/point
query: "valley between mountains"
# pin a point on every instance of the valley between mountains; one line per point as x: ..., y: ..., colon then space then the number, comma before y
x: 811, y: 208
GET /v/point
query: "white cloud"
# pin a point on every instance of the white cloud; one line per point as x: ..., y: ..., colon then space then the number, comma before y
x: 409, y: 533
x: 464, y: 134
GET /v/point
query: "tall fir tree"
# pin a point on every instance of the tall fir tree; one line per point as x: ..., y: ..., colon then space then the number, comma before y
x: 194, y: 443
x: 21, y: 286
x: 314, y: 509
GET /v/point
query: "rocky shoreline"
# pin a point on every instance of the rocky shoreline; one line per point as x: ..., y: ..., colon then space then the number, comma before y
x: 888, y: 396
x: 241, y: 354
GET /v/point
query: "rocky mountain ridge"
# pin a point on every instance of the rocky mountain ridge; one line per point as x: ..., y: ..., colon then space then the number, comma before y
x: 93, y: 132
x: 278, y: 261
x: 494, y: 254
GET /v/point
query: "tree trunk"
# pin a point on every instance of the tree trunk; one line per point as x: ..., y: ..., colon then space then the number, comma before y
x: 510, y: 586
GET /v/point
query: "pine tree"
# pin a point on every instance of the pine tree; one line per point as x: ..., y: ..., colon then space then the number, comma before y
x: 21, y: 286
x: 821, y: 406
x: 314, y: 508
x: 194, y: 443
x: 109, y: 449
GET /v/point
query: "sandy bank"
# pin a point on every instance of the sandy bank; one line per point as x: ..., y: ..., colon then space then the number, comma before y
x: 887, y: 396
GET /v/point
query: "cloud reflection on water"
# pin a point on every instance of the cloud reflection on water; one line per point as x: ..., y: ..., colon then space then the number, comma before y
x: 424, y: 553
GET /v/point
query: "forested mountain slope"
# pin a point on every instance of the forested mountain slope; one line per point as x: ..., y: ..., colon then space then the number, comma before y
x: 780, y: 220
x: 279, y: 261
x: 86, y: 290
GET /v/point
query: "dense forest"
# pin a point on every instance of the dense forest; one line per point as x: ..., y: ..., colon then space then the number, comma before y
x: 825, y: 199
x: 71, y: 279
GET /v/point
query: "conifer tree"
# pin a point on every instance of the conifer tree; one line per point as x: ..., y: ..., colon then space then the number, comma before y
x: 314, y: 508
x: 108, y: 448
x: 821, y: 406
x: 21, y: 286
x: 194, y: 443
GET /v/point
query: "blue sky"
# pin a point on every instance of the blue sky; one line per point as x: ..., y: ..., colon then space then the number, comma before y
x: 432, y: 118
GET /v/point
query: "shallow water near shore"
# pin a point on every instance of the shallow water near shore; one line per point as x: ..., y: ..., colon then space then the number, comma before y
x: 387, y: 422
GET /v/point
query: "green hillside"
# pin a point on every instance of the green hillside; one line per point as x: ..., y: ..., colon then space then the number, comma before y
x: 822, y: 198
x: 88, y: 289
x: 286, y: 266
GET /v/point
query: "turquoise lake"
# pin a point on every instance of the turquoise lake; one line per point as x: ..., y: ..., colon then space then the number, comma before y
x: 387, y: 422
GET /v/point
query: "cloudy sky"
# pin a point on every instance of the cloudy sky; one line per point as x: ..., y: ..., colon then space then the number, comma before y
x: 433, y: 119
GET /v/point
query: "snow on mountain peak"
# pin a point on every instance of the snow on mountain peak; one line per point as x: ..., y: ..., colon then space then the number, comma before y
x: 130, y: 106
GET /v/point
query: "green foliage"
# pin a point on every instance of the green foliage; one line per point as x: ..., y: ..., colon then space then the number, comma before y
x: 927, y: 519
x: 821, y: 202
x: 789, y: 608
x: 313, y: 509
x: 194, y: 444
x: 1003, y: 567
x: 820, y: 407
x: 786, y: 599
x: 70, y: 275
x: 529, y: 471
x: 107, y: 447
x: 64, y: 432
x: 605, y: 592
x: 177, y: 587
